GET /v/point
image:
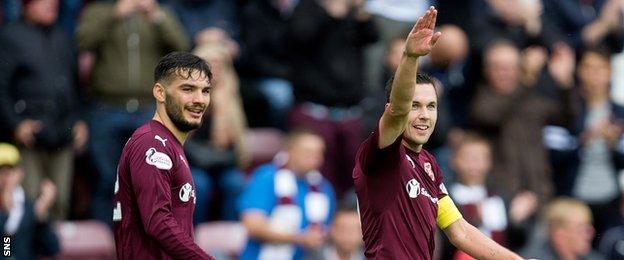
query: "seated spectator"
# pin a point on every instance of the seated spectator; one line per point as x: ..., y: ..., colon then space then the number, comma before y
x: 570, y: 232
x: 345, y: 236
x: 287, y: 209
x: 217, y: 150
x: 588, y: 23
x: 512, y: 114
x: 478, y: 201
x: 613, y: 239
x: 21, y: 218
x: 40, y: 104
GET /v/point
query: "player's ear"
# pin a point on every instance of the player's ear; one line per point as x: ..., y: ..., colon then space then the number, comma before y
x: 159, y: 92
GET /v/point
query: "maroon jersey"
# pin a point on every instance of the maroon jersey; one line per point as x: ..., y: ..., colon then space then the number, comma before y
x: 398, y: 192
x: 154, y: 198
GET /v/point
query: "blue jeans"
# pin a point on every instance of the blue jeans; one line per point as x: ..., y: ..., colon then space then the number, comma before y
x: 110, y: 129
x: 279, y: 94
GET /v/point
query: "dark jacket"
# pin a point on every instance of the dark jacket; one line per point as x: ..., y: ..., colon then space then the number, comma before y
x: 38, y: 75
x: 31, y: 239
x: 329, y: 60
x: 264, y: 33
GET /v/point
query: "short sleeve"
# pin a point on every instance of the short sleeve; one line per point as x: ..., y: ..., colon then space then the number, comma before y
x: 374, y: 160
x: 259, y: 193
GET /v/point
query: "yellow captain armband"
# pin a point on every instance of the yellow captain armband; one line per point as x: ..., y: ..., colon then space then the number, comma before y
x: 447, y: 212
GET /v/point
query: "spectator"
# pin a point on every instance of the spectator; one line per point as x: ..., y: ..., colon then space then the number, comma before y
x: 287, y: 209
x: 588, y: 23
x: 613, y: 239
x: 40, y: 102
x: 600, y: 156
x: 202, y: 19
x: 569, y: 232
x: 217, y: 150
x: 128, y: 37
x: 345, y: 234
x: 329, y: 37
x: 521, y: 22
x: 512, y: 114
x: 479, y: 202
x: 21, y: 218
x: 268, y: 61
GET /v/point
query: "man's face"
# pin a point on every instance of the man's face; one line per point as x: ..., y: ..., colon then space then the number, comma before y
x: 306, y: 153
x: 346, y: 231
x: 472, y: 162
x: 577, y: 233
x: 42, y: 12
x: 502, y: 69
x: 422, y: 119
x: 186, y: 100
x: 594, y: 74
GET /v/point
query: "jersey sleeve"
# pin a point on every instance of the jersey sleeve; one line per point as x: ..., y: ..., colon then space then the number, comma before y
x: 259, y: 193
x: 151, y: 183
x: 374, y: 160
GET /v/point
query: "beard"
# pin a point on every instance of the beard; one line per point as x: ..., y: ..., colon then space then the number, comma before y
x: 174, y: 111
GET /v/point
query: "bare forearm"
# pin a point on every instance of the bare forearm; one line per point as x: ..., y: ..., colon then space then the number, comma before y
x: 470, y: 240
x: 403, y: 86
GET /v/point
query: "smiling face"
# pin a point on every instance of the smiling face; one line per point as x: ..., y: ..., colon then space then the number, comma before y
x: 186, y: 100
x: 422, y: 119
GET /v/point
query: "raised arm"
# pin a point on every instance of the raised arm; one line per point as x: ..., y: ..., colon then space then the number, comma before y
x: 420, y: 41
x: 469, y: 239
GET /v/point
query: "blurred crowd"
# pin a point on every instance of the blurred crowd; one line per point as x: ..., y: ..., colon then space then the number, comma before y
x: 530, y: 134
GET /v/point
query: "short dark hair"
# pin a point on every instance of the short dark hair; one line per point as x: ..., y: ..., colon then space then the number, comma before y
x: 421, y: 78
x: 180, y: 64
x: 600, y: 50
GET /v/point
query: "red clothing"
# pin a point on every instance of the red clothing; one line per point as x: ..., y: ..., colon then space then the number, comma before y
x: 398, y: 191
x: 154, y: 198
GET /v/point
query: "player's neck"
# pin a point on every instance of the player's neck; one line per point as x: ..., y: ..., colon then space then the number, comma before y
x: 166, y: 121
x: 412, y: 146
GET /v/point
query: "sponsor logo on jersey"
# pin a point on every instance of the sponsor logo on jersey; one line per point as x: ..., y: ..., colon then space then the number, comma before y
x: 157, y: 137
x: 414, y: 189
x: 428, y: 170
x: 187, y: 192
x: 158, y: 159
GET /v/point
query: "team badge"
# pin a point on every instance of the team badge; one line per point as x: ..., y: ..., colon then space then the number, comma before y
x: 158, y: 159
x: 429, y: 171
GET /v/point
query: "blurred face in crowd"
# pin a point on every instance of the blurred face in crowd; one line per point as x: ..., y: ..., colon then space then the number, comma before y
x: 43, y: 12
x: 10, y: 176
x: 305, y: 153
x: 576, y: 233
x: 186, y: 99
x: 451, y: 48
x: 502, y: 68
x: 594, y: 73
x: 422, y: 118
x: 472, y: 162
x: 346, y: 232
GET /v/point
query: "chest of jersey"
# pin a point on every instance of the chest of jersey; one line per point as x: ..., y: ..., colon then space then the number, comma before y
x: 418, y: 188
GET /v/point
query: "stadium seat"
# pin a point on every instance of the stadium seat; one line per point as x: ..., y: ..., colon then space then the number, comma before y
x: 221, y: 238
x: 89, y: 240
x: 263, y: 144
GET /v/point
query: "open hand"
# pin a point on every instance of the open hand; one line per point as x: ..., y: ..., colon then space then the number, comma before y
x: 422, y: 38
